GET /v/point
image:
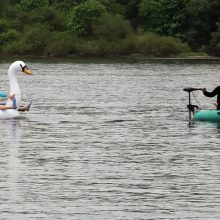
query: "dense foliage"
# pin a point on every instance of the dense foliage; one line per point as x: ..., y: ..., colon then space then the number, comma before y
x: 109, y: 27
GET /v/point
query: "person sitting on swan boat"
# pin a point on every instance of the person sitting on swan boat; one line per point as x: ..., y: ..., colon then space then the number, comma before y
x: 215, y: 92
x: 4, y: 107
x: 12, y: 97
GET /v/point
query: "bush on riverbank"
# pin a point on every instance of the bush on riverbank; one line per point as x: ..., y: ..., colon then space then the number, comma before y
x: 44, y: 43
x: 150, y: 44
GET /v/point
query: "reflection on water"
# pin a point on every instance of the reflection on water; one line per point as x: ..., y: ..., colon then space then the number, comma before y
x: 10, y: 168
x: 110, y: 141
x: 13, y: 164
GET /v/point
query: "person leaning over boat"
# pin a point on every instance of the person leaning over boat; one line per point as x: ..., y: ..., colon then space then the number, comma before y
x: 215, y: 92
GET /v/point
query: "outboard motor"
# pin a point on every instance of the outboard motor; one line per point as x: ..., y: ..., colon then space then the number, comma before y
x: 191, y: 107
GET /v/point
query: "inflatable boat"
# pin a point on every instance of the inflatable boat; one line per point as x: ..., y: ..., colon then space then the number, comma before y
x: 196, y: 114
x: 9, y: 113
x: 207, y: 115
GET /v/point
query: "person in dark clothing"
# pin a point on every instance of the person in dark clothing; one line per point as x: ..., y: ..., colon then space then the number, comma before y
x: 215, y: 92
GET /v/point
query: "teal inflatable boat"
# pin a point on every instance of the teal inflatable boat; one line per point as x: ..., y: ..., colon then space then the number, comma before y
x: 207, y: 115
x: 195, y: 114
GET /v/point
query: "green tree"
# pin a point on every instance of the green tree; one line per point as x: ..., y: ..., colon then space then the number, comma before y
x: 111, y: 27
x: 44, y: 15
x: 60, y: 44
x: 214, y: 44
x: 3, y: 25
x: 28, y: 5
x: 65, y: 5
x: 3, y: 6
x: 132, y: 13
x: 48, y: 15
x: 104, y: 25
x: 198, y: 28
x: 186, y: 19
x: 37, y: 40
x: 166, y: 17
x: 115, y: 6
x: 8, y: 36
x: 84, y: 15
x: 14, y: 2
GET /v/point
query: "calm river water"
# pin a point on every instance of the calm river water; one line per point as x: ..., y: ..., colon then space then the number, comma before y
x: 110, y: 141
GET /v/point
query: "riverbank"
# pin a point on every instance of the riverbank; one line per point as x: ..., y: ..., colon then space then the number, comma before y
x: 193, y: 58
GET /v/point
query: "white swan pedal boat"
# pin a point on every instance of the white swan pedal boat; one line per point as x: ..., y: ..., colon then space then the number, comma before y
x: 15, y: 68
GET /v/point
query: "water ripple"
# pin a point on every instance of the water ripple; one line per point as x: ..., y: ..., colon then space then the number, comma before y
x: 110, y: 141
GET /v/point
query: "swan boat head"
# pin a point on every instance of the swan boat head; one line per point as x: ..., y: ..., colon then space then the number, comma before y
x: 19, y: 66
x: 15, y: 68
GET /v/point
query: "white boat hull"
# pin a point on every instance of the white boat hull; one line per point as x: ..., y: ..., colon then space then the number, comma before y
x: 9, y: 114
